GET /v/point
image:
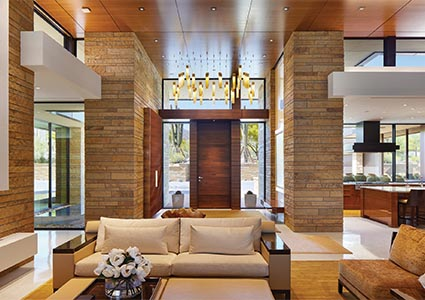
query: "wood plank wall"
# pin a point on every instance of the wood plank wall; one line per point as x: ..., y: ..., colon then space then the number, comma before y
x: 152, y: 162
x: 114, y: 124
x: 17, y: 203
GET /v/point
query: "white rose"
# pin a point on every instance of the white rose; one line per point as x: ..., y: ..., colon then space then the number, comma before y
x: 126, y: 270
x: 108, y: 271
x: 141, y: 274
x: 100, y: 267
x: 133, y: 251
x: 116, y: 258
x: 117, y: 272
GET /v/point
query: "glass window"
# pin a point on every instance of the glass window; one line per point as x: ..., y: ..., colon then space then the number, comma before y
x: 59, y: 166
x: 362, y: 52
x: 252, y: 164
x: 80, y: 50
x: 176, y: 164
x: 414, y: 153
x: 401, y: 155
x: 41, y: 25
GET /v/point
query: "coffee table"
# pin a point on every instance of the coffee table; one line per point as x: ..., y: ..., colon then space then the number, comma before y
x: 408, y: 293
x: 214, y: 289
x: 83, y: 288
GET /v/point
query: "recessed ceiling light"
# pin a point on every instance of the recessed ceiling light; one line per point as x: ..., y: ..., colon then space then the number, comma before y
x: 286, y: 8
x: 264, y: 55
x: 361, y: 8
x: 271, y: 41
x: 156, y: 40
x: 163, y: 56
x: 37, y: 87
x: 86, y: 10
x: 213, y: 8
x: 141, y: 8
x: 404, y: 104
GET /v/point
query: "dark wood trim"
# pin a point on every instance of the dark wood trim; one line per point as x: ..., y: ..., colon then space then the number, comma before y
x: 215, y: 114
x: 235, y: 160
x: 193, y: 164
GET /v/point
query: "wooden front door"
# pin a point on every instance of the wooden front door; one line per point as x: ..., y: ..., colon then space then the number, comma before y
x: 213, y: 164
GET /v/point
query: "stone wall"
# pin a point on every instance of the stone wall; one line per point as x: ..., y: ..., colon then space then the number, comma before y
x: 17, y: 203
x: 271, y: 140
x: 114, y: 124
x: 313, y: 133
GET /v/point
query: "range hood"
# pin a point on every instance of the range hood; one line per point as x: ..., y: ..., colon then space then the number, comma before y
x: 368, y: 140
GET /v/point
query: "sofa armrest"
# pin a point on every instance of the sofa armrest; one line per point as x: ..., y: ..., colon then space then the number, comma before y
x: 66, y: 255
x: 278, y: 256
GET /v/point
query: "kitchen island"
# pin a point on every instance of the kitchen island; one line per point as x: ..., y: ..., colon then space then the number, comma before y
x: 380, y: 203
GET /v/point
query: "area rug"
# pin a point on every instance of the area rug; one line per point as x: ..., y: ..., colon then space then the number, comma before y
x: 217, y: 213
x: 42, y: 292
x: 301, y: 243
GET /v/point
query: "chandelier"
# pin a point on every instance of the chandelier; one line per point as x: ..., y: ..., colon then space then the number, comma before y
x: 196, y: 90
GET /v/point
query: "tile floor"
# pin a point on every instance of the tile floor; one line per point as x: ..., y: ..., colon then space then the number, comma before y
x: 365, y: 238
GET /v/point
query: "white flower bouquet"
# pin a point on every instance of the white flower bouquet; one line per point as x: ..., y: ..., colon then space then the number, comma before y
x: 124, y: 271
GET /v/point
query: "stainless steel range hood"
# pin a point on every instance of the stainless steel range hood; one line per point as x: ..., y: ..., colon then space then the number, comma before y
x: 368, y: 139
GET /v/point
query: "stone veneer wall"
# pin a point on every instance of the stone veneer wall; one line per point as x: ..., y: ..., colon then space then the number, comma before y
x: 17, y: 203
x: 313, y: 133
x: 114, y: 124
x: 271, y: 140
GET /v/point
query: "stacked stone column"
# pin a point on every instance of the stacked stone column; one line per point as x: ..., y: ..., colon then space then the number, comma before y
x: 313, y: 140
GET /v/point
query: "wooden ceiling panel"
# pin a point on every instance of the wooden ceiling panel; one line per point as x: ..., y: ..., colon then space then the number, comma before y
x: 98, y: 20
x: 197, y: 15
x: 347, y: 15
x: 158, y: 15
x: 409, y: 21
x: 269, y: 15
x: 62, y: 17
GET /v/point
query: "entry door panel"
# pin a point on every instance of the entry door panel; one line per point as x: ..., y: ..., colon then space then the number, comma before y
x: 214, y: 164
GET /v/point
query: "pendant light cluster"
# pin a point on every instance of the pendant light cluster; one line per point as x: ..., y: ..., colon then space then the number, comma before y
x: 196, y: 90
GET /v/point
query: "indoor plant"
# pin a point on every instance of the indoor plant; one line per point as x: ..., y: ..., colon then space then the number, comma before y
x: 124, y: 272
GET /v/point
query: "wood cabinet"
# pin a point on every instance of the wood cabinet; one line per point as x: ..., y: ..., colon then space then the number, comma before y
x: 351, y: 196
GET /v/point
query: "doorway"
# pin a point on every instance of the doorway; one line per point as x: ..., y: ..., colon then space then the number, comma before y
x: 212, y: 175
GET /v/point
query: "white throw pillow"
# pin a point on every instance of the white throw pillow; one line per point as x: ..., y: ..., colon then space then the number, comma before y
x: 221, y: 240
x: 149, y: 240
x: 171, y: 233
x: 422, y: 280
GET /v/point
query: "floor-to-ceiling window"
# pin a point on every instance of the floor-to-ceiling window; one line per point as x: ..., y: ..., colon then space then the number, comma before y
x: 59, y: 166
x: 176, y: 158
x: 405, y: 165
x: 252, y: 165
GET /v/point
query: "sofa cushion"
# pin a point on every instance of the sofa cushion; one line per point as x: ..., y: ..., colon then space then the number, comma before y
x: 185, y: 228
x: 221, y: 240
x: 161, y: 264
x: 408, y: 249
x: 220, y: 265
x: 147, y: 239
x: 171, y: 233
x: 375, y: 278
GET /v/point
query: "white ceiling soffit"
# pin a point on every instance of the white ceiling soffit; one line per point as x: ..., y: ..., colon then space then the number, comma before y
x: 59, y: 75
x: 377, y: 82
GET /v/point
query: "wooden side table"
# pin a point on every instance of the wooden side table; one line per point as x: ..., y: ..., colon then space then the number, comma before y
x: 408, y: 293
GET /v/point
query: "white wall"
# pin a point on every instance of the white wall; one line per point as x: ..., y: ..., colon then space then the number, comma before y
x: 4, y: 95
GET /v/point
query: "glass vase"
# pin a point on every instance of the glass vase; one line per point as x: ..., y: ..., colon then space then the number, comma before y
x: 122, y: 288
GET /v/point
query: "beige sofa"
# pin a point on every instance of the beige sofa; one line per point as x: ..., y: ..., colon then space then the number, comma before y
x: 186, y: 247
x: 373, y: 279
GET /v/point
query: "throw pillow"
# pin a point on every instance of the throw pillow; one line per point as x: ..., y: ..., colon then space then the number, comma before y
x: 149, y: 240
x: 171, y: 233
x: 221, y: 240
